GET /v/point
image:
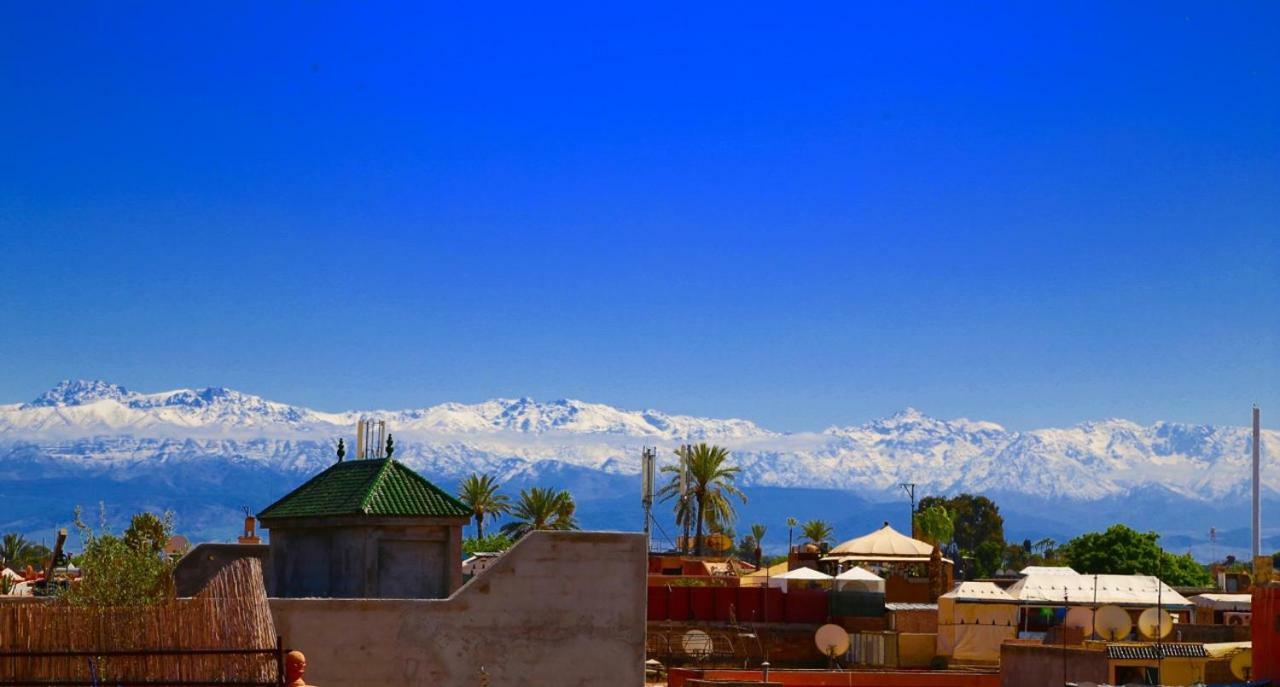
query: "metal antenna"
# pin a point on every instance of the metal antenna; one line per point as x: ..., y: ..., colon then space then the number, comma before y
x: 910, y: 488
x: 648, y: 461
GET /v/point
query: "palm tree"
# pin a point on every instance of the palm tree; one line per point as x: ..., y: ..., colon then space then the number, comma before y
x: 791, y: 526
x: 935, y: 525
x: 708, y: 484
x: 480, y: 493
x: 817, y: 532
x: 541, y: 509
x: 757, y: 534
x: 13, y: 548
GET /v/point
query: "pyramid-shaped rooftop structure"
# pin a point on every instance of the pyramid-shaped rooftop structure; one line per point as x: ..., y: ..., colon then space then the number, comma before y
x: 382, y: 488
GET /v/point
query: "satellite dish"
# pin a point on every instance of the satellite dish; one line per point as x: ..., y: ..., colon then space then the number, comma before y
x: 1242, y: 664
x: 1081, y: 617
x: 832, y: 640
x: 1155, y: 623
x: 696, y: 643
x: 1112, y: 623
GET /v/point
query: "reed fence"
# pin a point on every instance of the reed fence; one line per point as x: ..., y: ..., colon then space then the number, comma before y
x: 222, y: 636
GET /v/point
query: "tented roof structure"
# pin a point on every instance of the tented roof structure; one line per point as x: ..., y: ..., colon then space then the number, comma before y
x: 1224, y: 602
x: 884, y: 544
x: 857, y: 574
x: 759, y: 577
x: 803, y: 574
x: 859, y: 579
x: 1096, y: 590
x: 979, y: 592
x: 1047, y: 570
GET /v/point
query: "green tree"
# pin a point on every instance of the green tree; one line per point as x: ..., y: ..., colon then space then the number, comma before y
x: 17, y: 553
x: 979, y: 530
x: 710, y: 484
x: 935, y: 525
x: 541, y: 508
x: 494, y: 543
x: 817, y: 532
x: 480, y: 493
x: 124, y: 571
x: 757, y: 534
x: 147, y: 532
x: 1121, y: 550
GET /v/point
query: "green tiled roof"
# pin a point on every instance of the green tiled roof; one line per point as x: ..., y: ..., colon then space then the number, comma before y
x: 367, y: 487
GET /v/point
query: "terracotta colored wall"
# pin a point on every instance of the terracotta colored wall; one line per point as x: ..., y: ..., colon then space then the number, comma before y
x: 853, y: 678
x: 743, y: 604
x: 1265, y: 627
x: 1037, y: 665
x: 787, y: 645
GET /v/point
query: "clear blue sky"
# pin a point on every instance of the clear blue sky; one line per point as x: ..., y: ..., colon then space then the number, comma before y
x: 804, y: 218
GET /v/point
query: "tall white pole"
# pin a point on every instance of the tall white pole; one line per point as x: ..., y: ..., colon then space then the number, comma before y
x: 1257, y: 478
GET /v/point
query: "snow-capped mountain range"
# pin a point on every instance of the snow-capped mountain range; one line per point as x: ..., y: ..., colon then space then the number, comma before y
x: 95, y: 432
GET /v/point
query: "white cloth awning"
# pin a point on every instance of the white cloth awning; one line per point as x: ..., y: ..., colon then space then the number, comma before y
x: 1224, y: 602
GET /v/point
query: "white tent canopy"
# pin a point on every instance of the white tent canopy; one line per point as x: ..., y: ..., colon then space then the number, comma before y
x: 801, y: 577
x: 803, y: 574
x: 1054, y: 589
x: 1047, y: 570
x: 859, y: 579
x: 1224, y: 602
x: 979, y: 592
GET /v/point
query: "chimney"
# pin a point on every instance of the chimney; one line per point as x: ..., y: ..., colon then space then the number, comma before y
x: 250, y: 535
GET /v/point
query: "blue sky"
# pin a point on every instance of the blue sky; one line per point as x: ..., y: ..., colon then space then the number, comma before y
x: 804, y: 218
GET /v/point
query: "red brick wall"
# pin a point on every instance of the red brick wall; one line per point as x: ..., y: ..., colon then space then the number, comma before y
x: 1265, y: 626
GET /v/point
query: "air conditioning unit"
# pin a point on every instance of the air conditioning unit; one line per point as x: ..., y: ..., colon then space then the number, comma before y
x: 1237, y: 617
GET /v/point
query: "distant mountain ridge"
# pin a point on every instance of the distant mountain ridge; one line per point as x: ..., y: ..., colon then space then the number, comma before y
x: 97, y: 430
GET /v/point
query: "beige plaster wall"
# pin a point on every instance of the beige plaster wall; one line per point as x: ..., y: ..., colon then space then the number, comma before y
x: 560, y: 608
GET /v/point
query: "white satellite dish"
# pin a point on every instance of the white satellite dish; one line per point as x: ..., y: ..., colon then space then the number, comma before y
x: 1081, y: 617
x: 1155, y: 623
x: 832, y: 640
x: 696, y: 643
x: 1112, y: 623
x: 1242, y: 664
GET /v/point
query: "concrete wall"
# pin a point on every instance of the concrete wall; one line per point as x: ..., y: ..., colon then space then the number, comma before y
x: 365, y: 557
x: 560, y: 608
x: 194, y: 570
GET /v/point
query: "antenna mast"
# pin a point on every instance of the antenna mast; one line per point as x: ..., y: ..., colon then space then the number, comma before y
x: 648, y: 461
x: 1257, y: 501
x: 910, y: 488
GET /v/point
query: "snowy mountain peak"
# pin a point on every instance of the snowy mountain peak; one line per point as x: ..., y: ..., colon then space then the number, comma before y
x: 77, y: 392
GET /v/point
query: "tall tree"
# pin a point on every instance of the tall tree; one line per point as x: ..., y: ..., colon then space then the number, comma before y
x: 541, y: 508
x: 979, y: 530
x: 817, y: 531
x: 710, y: 484
x: 480, y: 493
x: 1121, y: 550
